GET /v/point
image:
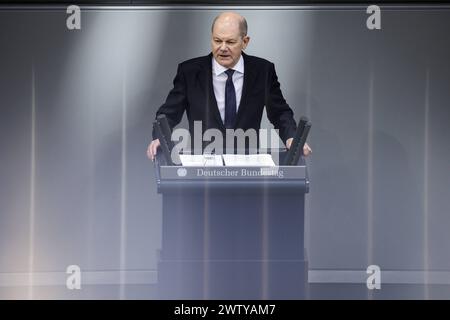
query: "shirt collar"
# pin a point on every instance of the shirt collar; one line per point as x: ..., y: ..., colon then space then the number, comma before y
x: 218, y: 69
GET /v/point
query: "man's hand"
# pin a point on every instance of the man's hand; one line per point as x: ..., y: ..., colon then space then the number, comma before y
x: 152, y: 149
x: 306, y: 149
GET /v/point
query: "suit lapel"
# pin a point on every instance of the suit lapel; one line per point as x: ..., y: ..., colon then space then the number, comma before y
x: 249, y: 78
x: 205, y: 80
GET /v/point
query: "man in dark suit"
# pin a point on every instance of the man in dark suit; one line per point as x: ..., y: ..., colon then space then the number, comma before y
x: 228, y: 89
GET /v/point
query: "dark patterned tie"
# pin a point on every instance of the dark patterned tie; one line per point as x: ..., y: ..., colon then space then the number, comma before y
x: 230, y: 101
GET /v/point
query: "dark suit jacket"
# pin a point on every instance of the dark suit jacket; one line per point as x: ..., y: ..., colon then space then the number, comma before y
x: 193, y: 92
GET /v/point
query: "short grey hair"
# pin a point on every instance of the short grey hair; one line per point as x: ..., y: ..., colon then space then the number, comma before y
x: 243, y: 27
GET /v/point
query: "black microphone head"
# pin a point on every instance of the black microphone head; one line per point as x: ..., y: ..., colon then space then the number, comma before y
x: 298, y: 142
x: 304, y: 119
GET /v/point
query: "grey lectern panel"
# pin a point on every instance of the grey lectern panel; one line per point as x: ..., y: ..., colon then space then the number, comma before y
x: 232, y: 237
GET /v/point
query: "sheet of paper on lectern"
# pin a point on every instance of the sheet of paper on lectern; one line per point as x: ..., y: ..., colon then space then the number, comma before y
x: 248, y: 160
x: 201, y: 160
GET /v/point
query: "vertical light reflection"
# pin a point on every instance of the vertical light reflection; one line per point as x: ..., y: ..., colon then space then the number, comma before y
x: 91, y: 186
x: 308, y: 92
x: 370, y: 176
x: 265, y: 244
x: 123, y: 190
x: 425, y: 186
x: 206, y: 239
x: 308, y: 199
x: 32, y: 184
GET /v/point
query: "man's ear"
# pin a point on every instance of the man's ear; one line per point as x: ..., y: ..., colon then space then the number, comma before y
x: 246, y: 40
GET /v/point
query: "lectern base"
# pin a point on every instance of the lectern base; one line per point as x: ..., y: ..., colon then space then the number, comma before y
x: 231, y: 235
x: 233, y: 279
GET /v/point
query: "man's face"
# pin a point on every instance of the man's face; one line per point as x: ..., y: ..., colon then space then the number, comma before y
x: 227, y: 43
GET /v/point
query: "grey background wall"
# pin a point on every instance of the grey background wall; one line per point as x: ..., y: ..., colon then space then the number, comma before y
x: 76, y: 109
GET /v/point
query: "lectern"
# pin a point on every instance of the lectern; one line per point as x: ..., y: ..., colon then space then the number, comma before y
x: 232, y: 232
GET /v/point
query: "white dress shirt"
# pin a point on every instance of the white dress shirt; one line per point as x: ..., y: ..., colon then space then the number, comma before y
x: 220, y: 79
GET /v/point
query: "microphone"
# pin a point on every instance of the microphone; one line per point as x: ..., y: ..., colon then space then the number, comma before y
x: 299, y: 150
x: 166, y: 131
x: 164, y: 134
x: 296, y: 144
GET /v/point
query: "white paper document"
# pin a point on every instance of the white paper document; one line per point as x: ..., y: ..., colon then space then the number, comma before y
x: 248, y: 160
x: 229, y: 160
x: 201, y: 160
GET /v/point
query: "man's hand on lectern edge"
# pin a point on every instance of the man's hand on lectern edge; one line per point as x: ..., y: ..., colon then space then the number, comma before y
x: 152, y: 149
x: 306, y: 149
